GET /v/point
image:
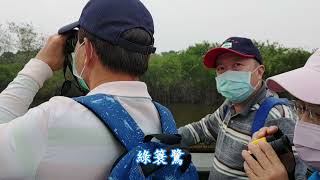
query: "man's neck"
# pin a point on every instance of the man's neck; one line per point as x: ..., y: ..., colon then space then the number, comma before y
x: 240, y: 106
x: 98, y: 78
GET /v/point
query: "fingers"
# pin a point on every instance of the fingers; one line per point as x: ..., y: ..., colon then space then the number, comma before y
x: 57, y: 39
x: 261, y: 157
x: 265, y: 131
x: 270, y: 153
x: 272, y: 129
x: 67, y: 35
x: 259, y: 134
x: 53, y: 51
x: 249, y: 171
x: 267, y: 165
x: 252, y: 163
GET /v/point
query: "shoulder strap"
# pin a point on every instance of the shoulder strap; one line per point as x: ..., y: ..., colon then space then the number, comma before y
x: 167, y: 121
x: 314, y: 176
x: 263, y: 112
x: 115, y: 117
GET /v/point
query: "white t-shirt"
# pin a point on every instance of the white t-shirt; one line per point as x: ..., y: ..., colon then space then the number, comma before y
x: 61, y: 139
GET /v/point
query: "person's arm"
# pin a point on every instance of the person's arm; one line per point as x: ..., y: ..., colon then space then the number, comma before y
x: 23, y: 143
x: 17, y: 97
x: 205, y: 130
x: 23, y: 140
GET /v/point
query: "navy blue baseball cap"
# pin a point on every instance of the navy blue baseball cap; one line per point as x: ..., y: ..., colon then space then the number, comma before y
x: 239, y: 46
x: 108, y: 19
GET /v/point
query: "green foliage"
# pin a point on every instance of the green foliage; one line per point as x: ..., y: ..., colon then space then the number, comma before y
x: 279, y: 59
x: 180, y: 77
x: 7, y: 73
x: 20, y: 57
x: 173, y: 77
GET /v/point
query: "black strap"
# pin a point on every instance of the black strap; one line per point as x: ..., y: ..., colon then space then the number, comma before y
x: 130, y: 46
x: 170, y: 139
x: 66, y: 86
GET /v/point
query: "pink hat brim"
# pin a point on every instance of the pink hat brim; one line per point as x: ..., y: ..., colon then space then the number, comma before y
x: 303, y: 83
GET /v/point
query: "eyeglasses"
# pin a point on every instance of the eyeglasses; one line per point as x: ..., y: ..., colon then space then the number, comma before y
x: 313, y: 110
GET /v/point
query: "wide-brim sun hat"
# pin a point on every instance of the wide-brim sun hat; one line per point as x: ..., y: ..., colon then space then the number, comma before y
x: 303, y: 83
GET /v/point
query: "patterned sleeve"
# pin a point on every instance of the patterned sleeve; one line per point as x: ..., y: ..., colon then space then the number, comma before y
x: 205, y: 130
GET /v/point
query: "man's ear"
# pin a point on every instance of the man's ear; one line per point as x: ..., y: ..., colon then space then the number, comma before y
x: 261, y: 70
x: 90, y: 53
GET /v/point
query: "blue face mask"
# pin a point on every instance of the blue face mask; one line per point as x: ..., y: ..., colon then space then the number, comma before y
x: 235, y: 86
x: 81, y: 81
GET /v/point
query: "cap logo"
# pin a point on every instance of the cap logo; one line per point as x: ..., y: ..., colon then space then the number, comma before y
x: 227, y: 45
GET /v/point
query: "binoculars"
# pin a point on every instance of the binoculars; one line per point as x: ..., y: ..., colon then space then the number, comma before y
x: 279, y: 142
x: 71, y: 42
x: 283, y: 147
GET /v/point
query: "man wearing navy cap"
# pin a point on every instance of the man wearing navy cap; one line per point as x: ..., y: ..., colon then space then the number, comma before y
x: 61, y: 139
x: 239, y: 68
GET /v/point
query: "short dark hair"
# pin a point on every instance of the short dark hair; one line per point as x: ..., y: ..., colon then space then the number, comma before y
x: 118, y: 59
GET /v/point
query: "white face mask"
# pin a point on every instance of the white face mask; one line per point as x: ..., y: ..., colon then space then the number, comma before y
x: 236, y: 85
x: 82, y: 83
